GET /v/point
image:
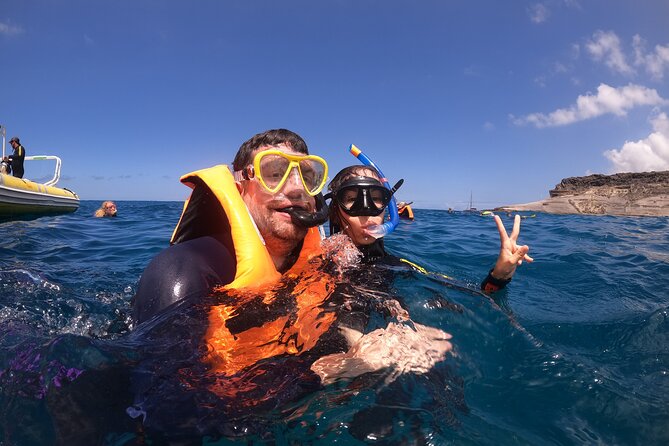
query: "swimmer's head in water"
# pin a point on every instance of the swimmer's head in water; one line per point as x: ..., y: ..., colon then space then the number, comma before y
x: 361, y: 196
x: 357, y: 202
x: 107, y: 209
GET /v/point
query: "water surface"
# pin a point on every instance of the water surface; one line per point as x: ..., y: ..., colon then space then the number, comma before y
x: 575, y: 350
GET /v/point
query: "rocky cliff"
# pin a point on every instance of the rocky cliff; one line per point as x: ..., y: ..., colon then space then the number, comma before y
x: 643, y: 194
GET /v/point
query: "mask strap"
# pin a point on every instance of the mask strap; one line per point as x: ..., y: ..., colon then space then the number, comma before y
x: 244, y: 174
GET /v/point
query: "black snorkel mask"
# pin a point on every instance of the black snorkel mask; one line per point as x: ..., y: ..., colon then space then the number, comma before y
x: 307, y: 219
x: 363, y: 196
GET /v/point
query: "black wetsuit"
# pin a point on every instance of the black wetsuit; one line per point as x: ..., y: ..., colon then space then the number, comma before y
x: 187, y: 270
x: 393, y: 406
x: 16, y: 160
x: 375, y: 252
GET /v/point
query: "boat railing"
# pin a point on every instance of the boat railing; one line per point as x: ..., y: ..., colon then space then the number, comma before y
x: 56, y: 173
x: 3, y: 133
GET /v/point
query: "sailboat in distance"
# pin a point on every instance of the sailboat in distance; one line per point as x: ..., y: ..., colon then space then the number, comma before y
x: 471, y: 204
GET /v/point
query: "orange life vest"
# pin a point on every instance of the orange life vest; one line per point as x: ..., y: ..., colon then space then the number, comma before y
x: 256, y: 276
x: 406, y: 212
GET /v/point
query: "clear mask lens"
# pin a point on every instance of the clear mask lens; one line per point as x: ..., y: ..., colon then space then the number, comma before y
x: 313, y: 175
x: 272, y: 170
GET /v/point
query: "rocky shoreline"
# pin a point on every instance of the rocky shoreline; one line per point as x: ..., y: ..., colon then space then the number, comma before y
x: 633, y: 194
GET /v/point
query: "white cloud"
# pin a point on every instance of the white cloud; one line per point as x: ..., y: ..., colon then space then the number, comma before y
x: 651, y: 153
x: 540, y: 81
x: 573, y: 4
x: 471, y: 71
x: 488, y: 126
x: 10, y: 30
x: 605, y: 47
x: 559, y: 67
x: 608, y: 100
x: 538, y: 13
x: 575, y: 51
x: 656, y: 62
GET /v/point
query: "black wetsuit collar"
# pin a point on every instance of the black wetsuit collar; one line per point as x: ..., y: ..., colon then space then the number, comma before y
x: 373, y: 252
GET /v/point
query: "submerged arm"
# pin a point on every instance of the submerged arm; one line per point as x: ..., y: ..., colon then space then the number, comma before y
x: 400, y: 347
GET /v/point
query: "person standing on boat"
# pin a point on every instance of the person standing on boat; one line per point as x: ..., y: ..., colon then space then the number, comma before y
x: 16, y: 159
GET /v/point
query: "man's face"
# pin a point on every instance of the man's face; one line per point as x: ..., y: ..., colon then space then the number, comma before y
x: 267, y: 208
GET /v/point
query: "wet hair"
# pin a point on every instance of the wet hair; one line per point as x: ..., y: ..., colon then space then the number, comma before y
x: 102, y: 211
x: 343, y: 175
x: 268, y: 138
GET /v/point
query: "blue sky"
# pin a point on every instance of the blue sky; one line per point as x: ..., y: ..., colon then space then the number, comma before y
x: 500, y: 99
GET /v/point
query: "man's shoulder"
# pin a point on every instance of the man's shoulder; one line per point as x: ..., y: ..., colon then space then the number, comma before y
x: 196, y: 253
x: 186, y: 270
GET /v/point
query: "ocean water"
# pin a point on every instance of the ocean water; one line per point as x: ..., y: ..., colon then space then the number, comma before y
x: 574, y: 351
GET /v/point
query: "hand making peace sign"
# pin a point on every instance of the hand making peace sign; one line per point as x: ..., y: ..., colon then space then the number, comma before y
x: 510, y: 254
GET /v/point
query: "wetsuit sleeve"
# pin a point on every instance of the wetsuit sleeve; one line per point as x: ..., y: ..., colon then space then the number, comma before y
x: 491, y: 284
x: 186, y: 270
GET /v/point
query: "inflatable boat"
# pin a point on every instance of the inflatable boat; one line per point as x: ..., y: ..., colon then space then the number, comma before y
x: 21, y: 197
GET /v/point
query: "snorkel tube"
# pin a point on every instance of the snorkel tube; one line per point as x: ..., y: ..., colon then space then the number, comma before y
x: 386, y: 228
x: 307, y: 219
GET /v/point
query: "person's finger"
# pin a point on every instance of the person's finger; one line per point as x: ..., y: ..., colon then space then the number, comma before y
x: 528, y: 258
x: 500, y: 227
x: 520, y: 253
x: 516, y: 228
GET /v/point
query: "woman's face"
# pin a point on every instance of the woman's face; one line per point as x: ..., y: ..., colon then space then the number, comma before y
x: 109, y: 208
x: 355, y: 227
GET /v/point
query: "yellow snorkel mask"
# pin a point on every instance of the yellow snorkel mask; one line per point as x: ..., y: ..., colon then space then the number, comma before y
x: 273, y: 167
